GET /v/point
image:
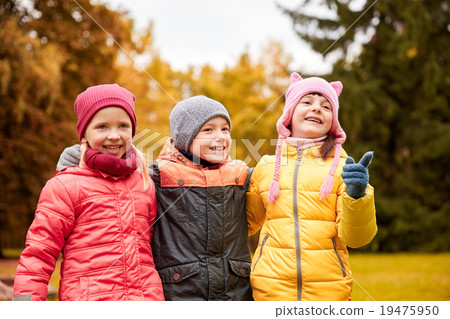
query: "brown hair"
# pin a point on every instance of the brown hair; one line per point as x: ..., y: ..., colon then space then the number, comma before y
x: 327, y: 146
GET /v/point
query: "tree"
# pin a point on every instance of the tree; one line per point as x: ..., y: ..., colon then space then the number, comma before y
x: 251, y: 92
x: 48, y: 54
x: 395, y: 101
x: 157, y: 89
x: 246, y: 88
x: 51, y: 51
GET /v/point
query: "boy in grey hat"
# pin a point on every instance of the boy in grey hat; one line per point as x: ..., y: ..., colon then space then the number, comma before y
x: 188, y: 116
x: 200, y: 243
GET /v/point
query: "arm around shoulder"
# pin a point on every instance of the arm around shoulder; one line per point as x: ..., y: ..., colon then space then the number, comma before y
x: 151, y: 191
x: 256, y: 211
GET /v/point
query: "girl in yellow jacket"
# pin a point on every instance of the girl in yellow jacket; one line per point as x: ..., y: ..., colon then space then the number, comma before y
x: 310, y: 201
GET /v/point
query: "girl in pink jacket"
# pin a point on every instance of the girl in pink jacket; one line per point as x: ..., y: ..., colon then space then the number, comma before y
x: 99, y: 215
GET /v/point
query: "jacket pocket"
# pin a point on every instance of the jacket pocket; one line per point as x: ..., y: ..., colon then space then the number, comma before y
x: 344, y: 273
x: 240, y: 268
x: 178, y: 273
x: 260, y: 251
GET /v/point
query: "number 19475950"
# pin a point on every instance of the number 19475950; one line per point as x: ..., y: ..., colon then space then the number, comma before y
x: 409, y: 310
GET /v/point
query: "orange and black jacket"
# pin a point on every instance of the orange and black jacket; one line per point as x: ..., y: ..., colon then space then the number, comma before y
x: 200, y: 242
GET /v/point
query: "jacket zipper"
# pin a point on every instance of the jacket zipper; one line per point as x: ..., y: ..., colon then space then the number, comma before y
x: 233, y: 205
x: 260, y: 251
x: 344, y: 273
x: 297, y: 227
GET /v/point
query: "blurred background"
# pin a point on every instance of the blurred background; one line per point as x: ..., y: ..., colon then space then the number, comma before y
x: 392, y: 57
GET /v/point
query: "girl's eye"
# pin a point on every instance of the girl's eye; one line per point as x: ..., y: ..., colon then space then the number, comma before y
x: 123, y: 126
x: 102, y: 127
x: 327, y: 107
x: 307, y: 103
x: 226, y: 129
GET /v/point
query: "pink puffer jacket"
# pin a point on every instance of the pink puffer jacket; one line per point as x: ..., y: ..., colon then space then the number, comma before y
x: 103, y: 226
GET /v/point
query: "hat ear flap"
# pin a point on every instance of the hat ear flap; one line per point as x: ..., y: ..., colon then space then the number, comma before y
x: 337, y: 86
x: 295, y: 77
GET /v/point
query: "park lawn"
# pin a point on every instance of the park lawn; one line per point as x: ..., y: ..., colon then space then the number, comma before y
x: 380, y: 277
x: 400, y: 277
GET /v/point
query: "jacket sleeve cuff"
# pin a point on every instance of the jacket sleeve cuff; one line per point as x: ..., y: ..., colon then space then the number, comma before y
x: 361, y: 211
x: 358, y: 226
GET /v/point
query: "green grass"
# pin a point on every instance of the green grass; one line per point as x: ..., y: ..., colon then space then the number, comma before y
x: 380, y: 277
x: 401, y: 277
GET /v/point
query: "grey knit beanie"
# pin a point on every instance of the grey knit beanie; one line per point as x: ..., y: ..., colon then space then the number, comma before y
x: 189, y: 115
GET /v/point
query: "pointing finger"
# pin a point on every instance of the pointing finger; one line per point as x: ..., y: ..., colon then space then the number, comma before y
x: 366, y: 159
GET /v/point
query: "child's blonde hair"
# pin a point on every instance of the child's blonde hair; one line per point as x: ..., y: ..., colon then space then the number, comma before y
x: 141, y: 162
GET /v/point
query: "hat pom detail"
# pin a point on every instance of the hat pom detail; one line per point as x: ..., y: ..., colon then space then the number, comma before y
x: 328, y: 183
x: 327, y: 186
x: 274, y: 191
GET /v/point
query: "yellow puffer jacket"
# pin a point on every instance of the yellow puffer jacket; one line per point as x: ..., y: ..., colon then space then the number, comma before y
x: 302, y: 252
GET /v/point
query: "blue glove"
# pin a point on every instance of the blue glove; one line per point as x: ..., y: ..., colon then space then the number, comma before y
x: 356, y: 176
x: 69, y: 157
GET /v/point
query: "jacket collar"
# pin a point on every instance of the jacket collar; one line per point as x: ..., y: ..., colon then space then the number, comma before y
x: 288, y: 150
x: 87, y: 171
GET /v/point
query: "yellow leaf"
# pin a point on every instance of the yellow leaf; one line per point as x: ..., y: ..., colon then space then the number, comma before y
x: 411, y: 53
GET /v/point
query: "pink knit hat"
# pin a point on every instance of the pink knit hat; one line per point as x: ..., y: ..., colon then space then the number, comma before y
x: 297, y: 89
x: 98, y: 97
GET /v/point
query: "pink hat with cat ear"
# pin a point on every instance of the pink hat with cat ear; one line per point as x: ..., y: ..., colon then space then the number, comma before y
x: 297, y: 89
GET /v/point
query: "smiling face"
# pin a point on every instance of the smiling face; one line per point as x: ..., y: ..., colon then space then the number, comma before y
x: 312, y: 117
x: 109, y: 131
x: 213, y: 141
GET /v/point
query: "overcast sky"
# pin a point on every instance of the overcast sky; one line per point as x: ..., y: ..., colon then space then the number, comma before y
x: 197, y: 32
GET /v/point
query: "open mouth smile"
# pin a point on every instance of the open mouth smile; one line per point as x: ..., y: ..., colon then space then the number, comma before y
x: 314, y: 119
x: 217, y: 148
x: 112, y: 148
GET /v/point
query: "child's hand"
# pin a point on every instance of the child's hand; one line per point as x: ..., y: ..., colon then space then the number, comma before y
x: 69, y: 157
x: 356, y: 176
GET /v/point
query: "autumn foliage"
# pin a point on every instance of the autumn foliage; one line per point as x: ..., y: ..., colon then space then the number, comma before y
x: 395, y: 100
